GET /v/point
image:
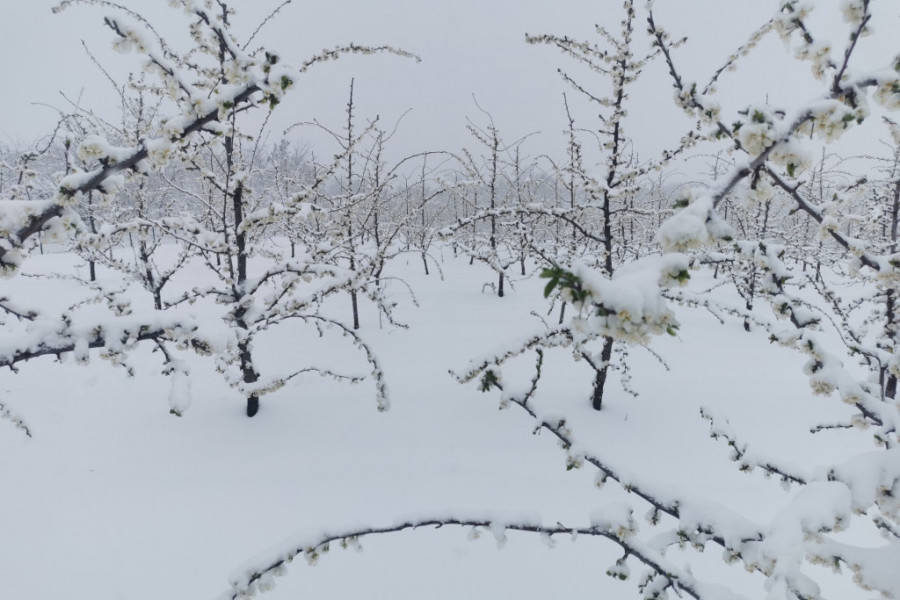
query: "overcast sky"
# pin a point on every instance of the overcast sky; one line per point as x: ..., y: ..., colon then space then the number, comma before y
x: 467, y: 47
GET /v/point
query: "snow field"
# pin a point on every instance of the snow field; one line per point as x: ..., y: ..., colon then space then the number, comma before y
x: 115, y: 498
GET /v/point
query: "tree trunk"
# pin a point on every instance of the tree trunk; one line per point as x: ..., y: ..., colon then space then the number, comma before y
x: 249, y: 374
x: 252, y: 405
x: 600, y: 378
x: 93, y: 224
x: 749, y: 306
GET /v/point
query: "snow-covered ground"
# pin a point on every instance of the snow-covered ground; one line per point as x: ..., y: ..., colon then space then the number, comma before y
x: 114, y: 498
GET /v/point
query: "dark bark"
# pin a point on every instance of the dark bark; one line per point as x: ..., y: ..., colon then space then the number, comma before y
x: 890, y: 389
x: 252, y: 406
x: 92, y: 266
x: 890, y: 308
x: 602, y: 371
x: 355, y: 304
x: 249, y: 375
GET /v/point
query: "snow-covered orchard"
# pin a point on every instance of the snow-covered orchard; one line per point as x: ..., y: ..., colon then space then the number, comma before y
x: 697, y: 374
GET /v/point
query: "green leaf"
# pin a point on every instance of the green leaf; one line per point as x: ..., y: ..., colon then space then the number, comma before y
x: 548, y: 289
x: 488, y: 381
x: 553, y: 274
x: 564, y: 280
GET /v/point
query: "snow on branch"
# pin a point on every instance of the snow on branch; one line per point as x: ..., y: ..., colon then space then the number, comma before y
x: 746, y: 459
x: 54, y: 337
x: 613, y: 523
x: 337, y: 51
x: 569, y: 216
x: 7, y: 414
x: 382, y: 396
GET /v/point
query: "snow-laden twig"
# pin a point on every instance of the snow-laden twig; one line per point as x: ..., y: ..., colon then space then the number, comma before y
x: 614, y: 525
x: 746, y: 459
x: 7, y: 414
